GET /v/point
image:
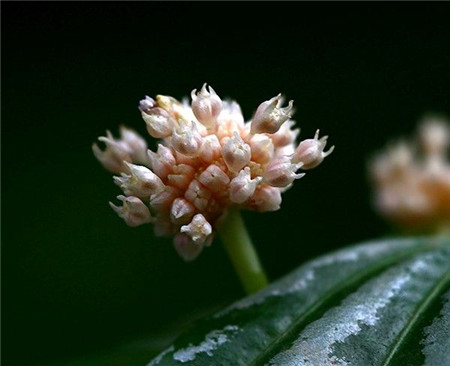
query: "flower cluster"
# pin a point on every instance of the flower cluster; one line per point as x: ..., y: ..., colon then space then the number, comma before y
x: 209, y: 160
x: 412, y: 179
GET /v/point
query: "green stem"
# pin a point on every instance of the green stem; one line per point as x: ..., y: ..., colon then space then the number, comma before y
x: 238, y: 244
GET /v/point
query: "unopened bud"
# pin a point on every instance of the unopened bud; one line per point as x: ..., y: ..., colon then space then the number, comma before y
x: 146, y: 104
x: 206, y: 106
x: 281, y: 172
x: 163, y: 200
x: 181, y: 176
x: 262, y: 148
x: 266, y: 198
x: 243, y: 186
x: 186, y: 139
x: 186, y: 248
x: 181, y: 211
x: 285, y: 135
x: 162, y: 162
x: 136, y: 144
x: 198, y: 195
x: 198, y: 230
x: 214, y: 179
x: 310, y: 152
x: 114, y: 155
x: 210, y: 148
x: 142, y: 182
x: 236, y: 153
x: 133, y: 211
x: 269, y: 116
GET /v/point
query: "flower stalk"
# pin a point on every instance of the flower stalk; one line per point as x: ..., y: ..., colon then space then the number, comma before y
x: 240, y: 249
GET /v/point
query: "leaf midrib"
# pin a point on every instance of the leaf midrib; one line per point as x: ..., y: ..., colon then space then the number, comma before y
x: 348, y: 283
x: 416, y: 315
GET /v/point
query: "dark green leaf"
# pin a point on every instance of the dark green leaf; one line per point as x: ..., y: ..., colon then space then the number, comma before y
x: 378, y: 303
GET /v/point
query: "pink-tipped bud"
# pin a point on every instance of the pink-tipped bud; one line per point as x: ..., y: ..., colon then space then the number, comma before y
x: 142, y: 182
x: 236, y: 153
x: 198, y: 195
x: 133, y: 211
x: 310, y: 152
x: 214, y: 179
x: 198, y: 230
x: 281, y: 172
x: 266, y: 198
x: 181, y: 176
x: 186, y: 139
x: 181, y: 211
x: 113, y: 157
x: 210, y: 149
x: 136, y: 144
x: 186, y: 248
x: 162, y: 162
x: 206, y: 106
x: 146, y: 104
x: 262, y: 148
x: 243, y: 186
x: 269, y: 116
x: 159, y: 122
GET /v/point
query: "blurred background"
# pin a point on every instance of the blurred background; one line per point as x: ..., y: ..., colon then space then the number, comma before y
x: 76, y: 281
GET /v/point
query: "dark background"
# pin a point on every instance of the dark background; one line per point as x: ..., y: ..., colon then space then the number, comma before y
x: 75, y: 279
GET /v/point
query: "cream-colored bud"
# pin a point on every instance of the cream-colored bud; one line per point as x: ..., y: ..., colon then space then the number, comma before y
x: 198, y: 230
x: 186, y: 248
x: 214, y: 179
x: 266, y: 198
x: 186, y: 139
x: 159, y: 122
x: 181, y: 176
x: 281, y: 172
x: 210, y: 149
x: 137, y: 146
x: 206, y: 106
x: 269, y: 116
x: 142, y: 182
x: 133, y: 211
x: 113, y: 157
x: 310, y: 152
x: 162, y: 162
x: 262, y: 148
x: 243, y: 186
x: 198, y: 195
x: 236, y: 153
x: 181, y: 211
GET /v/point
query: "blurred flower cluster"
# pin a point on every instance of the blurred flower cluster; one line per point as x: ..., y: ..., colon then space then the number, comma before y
x: 412, y: 178
x: 209, y: 160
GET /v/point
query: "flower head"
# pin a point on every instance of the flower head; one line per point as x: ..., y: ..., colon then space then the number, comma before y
x: 412, y: 179
x: 208, y: 161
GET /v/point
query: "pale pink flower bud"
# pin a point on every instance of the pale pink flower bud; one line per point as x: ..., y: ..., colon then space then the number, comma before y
x: 181, y: 176
x: 434, y: 134
x: 236, y: 153
x: 133, y: 211
x: 206, y: 106
x: 262, y: 148
x: 269, y: 116
x: 146, y: 104
x: 198, y: 230
x: 136, y: 144
x: 210, y: 149
x: 186, y: 139
x: 214, y: 179
x: 113, y: 157
x: 285, y: 135
x: 162, y: 201
x: 162, y: 162
x: 181, y: 211
x: 186, y: 248
x: 310, y: 152
x: 159, y: 122
x: 142, y: 182
x: 281, y: 172
x: 266, y: 198
x: 243, y: 186
x: 198, y: 195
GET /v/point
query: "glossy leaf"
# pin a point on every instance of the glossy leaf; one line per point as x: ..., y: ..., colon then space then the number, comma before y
x: 378, y: 303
